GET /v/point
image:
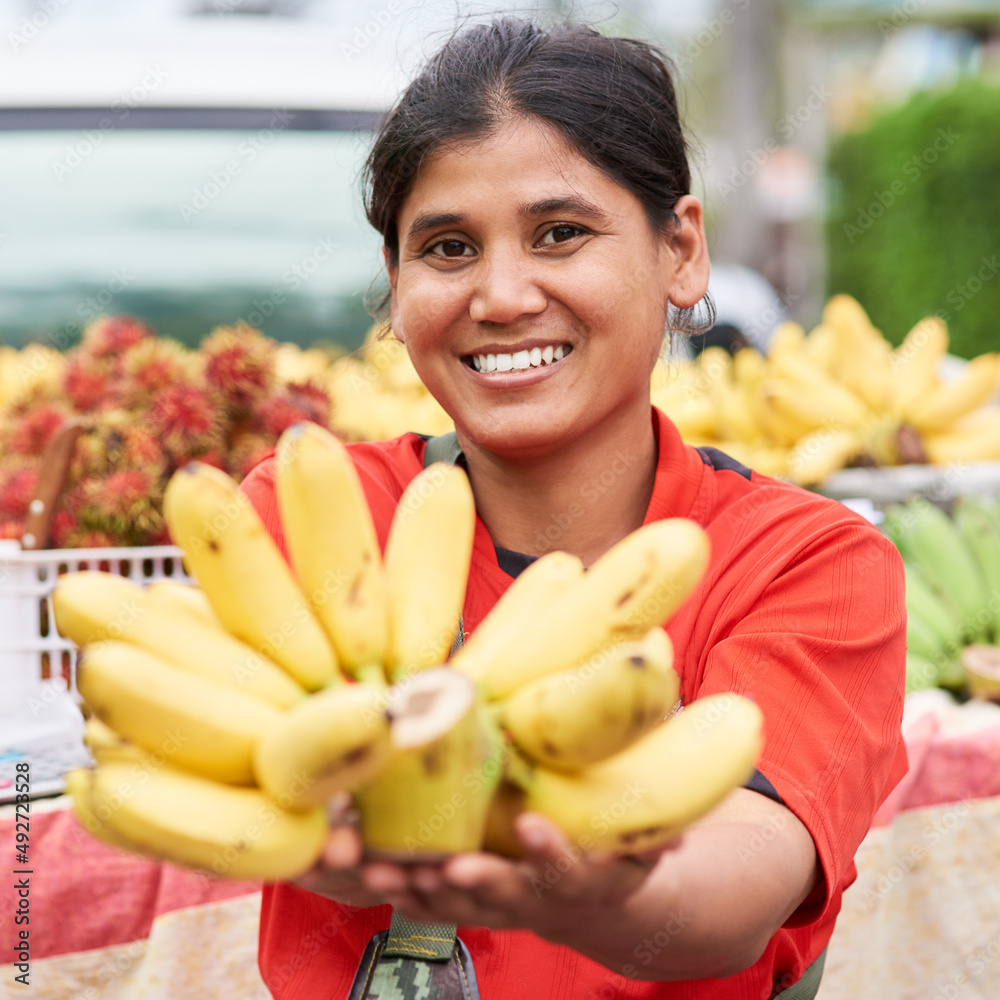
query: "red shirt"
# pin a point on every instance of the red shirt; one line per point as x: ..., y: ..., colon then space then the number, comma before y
x: 802, y: 609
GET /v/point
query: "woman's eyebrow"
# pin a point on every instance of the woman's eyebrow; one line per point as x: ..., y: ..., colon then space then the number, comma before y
x: 432, y: 220
x: 573, y: 204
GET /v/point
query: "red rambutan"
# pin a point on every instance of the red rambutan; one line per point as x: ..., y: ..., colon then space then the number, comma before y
x: 296, y: 402
x: 125, y: 505
x: 149, y: 367
x: 87, y: 384
x: 11, y: 529
x: 32, y: 432
x: 110, y: 335
x: 186, y: 421
x: 17, y: 487
x: 240, y: 365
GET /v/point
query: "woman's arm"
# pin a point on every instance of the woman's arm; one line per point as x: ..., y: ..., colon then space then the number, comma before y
x: 704, y: 907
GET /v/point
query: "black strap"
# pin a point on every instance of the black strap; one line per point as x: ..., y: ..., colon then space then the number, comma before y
x: 443, y: 448
x: 807, y: 985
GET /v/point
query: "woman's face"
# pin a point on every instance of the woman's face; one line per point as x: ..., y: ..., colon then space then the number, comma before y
x: 531, y: 291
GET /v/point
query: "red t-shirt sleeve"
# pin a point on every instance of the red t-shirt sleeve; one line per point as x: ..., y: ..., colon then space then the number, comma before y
x: 823, y: 650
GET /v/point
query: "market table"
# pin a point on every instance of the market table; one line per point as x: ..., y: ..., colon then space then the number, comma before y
x: 922, y: 920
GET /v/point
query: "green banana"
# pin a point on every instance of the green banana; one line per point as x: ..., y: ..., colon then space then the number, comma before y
x: 573, y: 718
x: 932, y: 608
x: 921, y: 637
x: 979, y: 525
x: 921, y: 672
x: 937, y: 547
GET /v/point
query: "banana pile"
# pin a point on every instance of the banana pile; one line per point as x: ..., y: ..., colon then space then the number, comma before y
x: 839, y: 395
x: 226, y: 717
x: 952, y: 569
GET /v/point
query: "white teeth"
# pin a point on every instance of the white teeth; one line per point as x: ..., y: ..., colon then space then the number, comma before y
x: 536, y: 357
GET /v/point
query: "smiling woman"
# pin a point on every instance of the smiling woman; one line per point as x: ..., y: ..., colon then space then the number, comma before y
x: 531, y: 190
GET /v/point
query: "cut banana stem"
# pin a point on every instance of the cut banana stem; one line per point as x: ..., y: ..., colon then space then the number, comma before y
x: 92, y: 606
x: 528, y: 598
x: 432, y: 797
x: 332, y: 543
x: 197, y: 724
x: 981, y: 663
x: 191, y: 821
x: 427, y: 561
x: 251, y: 589
x: 574, y: 718
x: 332, y: 742
x: 644, y: 796
x: 635, y: 585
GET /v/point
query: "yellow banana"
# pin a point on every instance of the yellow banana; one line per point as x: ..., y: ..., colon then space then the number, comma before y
x: 199, y: 725
x: 78, y: 785
x: 198, y: 823
x: 913, y: 365
x: 181, y: 597
x: 645, y: 795
x: 574, y: 718
x: 329, y: 743
x: 427, y: 560
x: 820, y: 454
x: 105, y: 744
x: 534, y: 590
x: 820, y: 347
x: 433, y: 795
x: 820, y: 403
x: 636, y: 584
x: 967, y: 440
x: 948, y: 401
x: 91, y: 606
x: 861, y: 357
x: 248, y: 583
x: 333, y: 546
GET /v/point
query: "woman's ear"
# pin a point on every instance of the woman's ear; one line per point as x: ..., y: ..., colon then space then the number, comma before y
x: 689, y: 282
x: 392, y: 270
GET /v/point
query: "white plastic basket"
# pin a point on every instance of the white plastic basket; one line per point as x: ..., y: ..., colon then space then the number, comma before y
x: 37, y: 665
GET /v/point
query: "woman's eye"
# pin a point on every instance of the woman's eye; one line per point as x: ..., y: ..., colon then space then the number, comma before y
x: 449, y: 248
x: 560, y: 234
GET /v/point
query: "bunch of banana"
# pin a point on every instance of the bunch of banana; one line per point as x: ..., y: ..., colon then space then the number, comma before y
x: 839, y: 394
x: 952, y: 570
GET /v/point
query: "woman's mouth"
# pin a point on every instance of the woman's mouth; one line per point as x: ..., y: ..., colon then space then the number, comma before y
x: 537, y: 357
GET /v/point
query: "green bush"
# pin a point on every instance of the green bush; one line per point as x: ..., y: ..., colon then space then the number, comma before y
x: 914, y: 222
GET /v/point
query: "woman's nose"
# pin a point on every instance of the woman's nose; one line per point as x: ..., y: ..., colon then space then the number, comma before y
x: 507, y: 287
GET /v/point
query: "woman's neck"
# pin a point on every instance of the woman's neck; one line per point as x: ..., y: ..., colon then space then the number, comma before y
x: 582, y: 499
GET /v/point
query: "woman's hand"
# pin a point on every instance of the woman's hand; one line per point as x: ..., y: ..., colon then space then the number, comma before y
x: 557, y: 891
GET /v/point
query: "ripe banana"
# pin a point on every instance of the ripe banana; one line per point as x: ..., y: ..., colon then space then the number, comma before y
x: 201, y: 726
x: 531, y: 594
x: 198, y: 823
x: 974, y: 438
x: 945, y: 403
x: 332, y: 742
x: 977, y: 521
x: 181, y: 597
x: 91, y: 607
x: 821, y: 453
x: 427, y: 561
x: 239, y: 567
x: 644, y: 796
x: 816, y: 404
x: 433, y: 795
x: 333, y: 546
x: 574, y: 718
x: 105, y: 744
x: 932, y: 540
x: 77, y: 784
x: 636, y: 584
x: 913, y: 365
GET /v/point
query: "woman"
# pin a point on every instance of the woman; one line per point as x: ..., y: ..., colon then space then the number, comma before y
x: 533, y: 193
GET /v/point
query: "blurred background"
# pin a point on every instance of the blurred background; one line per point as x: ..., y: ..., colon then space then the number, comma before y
x: 196, y: 162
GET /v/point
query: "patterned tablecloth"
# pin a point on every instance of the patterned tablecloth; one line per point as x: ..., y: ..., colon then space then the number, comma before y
x: 921, y: 923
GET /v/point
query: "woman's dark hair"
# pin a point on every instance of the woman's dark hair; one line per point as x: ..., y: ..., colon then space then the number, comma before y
x: 612, y: 99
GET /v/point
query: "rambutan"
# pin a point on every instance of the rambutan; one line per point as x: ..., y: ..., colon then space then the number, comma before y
x: 186, y: 421
x: 17, y: 488
x: 124, y: 505
x: 246, y: 451
x: 296, y: 402
x: 30, y: 433
x: 11, y: 529
x: 109, y: 336
x: 149, y: 367
x: 240, y: 365
x: 87, y: 383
